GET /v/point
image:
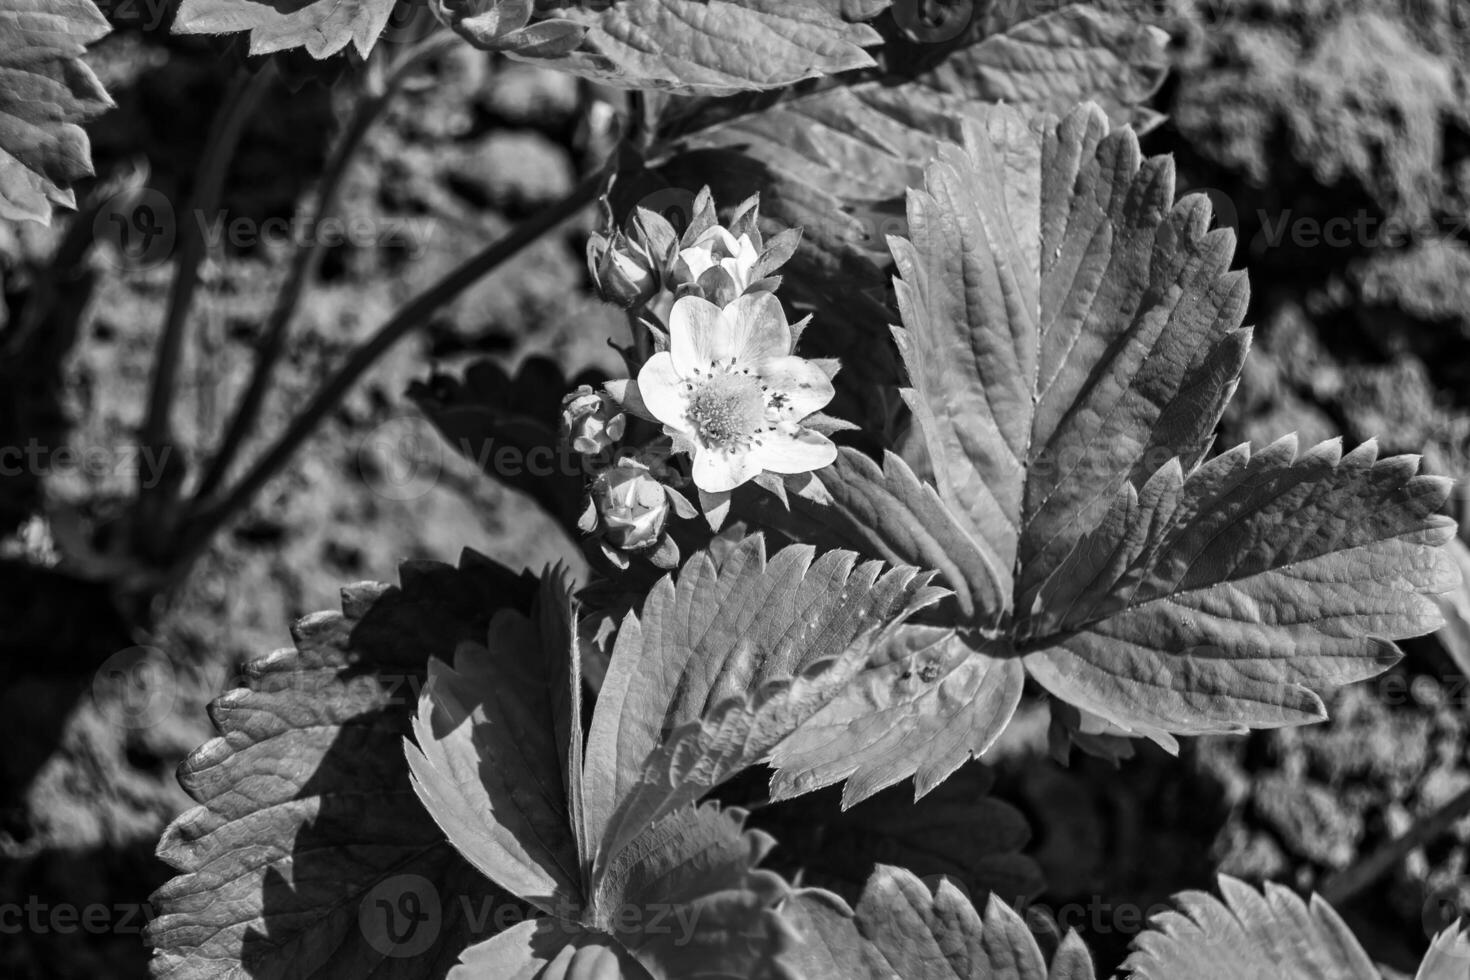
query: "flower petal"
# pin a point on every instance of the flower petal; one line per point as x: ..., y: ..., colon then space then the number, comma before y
x: 759, y: 328
x: 717, y: 472
x: 798, y: 452
x: 698, y: 334
x: 662, y: 391
x: 804, y: 384
x: 692, y: 263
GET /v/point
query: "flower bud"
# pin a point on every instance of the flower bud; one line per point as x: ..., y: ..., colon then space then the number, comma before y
x: 718, y: 249
x: 623, y: 270
x: 591, y: 421
x: 633, y: 505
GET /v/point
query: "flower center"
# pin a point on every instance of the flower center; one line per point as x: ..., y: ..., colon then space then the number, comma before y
x: 726, y: 409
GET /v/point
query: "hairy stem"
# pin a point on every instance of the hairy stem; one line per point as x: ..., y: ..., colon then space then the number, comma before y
x: 1342, y: 887
x: 224, y: 137
x: 411, y: 316
x: 307, y: 260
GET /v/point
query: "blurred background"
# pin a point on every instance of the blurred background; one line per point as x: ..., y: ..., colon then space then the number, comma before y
x: 1333, y: 135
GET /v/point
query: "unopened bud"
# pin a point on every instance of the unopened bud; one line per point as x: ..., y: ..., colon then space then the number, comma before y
x: 591, y: 421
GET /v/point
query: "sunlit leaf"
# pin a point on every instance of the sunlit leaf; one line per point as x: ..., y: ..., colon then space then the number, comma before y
x: 905, y: 929
x: 1248, y: 934
x: 46, y: 92
x: 1071, y: 336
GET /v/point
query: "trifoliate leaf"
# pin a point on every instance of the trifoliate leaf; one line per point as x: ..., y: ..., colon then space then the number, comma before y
x: 46, y: 91
x: 605, y: 838
x: 322, y: 27
x: 1248, y: 935
x: 904, y: 929
x: 309, y: 854
x: 1071, y: 336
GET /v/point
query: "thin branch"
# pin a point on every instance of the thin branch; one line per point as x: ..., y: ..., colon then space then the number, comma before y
x: 399, y: 326
x: 224, y: 136
x: 306, y: 261
x: 1342, y: 887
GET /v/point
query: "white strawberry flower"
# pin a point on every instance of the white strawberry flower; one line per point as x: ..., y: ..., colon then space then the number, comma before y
x: 733, y: 396
x: 717, y: 248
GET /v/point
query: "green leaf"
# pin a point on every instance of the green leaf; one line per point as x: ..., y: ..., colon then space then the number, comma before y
x: 683, y: 902
x: 715, y: 47
x: 925, y: 705
x: 46, y: 91
x: 1072, y: 335
x: 489, y: 763
x: 545, y: 949
x: 605, y: 838
x: 1248, y: 935
x: 306, y: 819
x: 721, y: 667
x: 1227, y: 599
x: 322, y: 27
x: 1050, y: 63
x: 891, y: 513
x: 687, y: 899
x: 904, y: 930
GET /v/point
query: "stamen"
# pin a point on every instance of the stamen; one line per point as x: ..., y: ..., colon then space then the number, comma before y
x: 726, y: 410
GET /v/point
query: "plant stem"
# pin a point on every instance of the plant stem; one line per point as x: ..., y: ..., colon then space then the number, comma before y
x: 224, y: 135
x: 306, y: 261
x: 1342, y: 887
x: 398, y: 326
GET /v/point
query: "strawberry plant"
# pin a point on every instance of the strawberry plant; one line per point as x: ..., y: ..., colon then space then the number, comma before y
x: 923, y: 370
